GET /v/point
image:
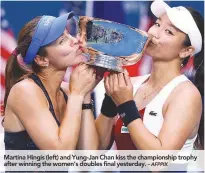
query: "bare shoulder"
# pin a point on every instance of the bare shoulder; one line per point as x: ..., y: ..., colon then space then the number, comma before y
x: 186, y: 90
x: 182, y: 116
x: 25, y: 91
x: 186, y: 99
x: 25, y: 86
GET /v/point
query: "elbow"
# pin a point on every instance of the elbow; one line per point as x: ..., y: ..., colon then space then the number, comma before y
x: 95, y: 146
x: 60, y: 145
x: 102, y: 147
x: 57, y: 143
x: 89, y: 145
x: 148, y: 145
x: 105, y: 145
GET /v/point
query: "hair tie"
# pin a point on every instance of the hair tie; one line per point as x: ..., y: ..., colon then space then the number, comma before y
x: 15, y: 52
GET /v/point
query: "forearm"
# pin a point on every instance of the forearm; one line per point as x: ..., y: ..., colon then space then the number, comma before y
x: 105, y: 121
x: 104, y: 127
x: 70, y: 127
x: 88, y: 139
x: 142, y: 138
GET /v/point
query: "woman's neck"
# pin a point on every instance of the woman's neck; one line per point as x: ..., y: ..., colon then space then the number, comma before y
x: 163, y: 72
x: 52, y: 81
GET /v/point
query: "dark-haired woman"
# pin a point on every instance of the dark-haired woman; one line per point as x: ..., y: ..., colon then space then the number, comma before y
x: 165, y: 110
x: 42, y: 112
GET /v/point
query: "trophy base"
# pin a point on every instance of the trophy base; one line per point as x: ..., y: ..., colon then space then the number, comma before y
x: 105, y: 61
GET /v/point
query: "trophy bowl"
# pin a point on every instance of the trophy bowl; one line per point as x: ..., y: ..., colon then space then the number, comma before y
x: 111, y: 45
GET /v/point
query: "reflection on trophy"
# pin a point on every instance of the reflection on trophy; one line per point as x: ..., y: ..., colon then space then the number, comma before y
x: 111, y: 45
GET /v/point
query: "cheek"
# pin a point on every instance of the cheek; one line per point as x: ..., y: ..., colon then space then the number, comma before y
x: 65, y: 50
x: 60, y: 51
x: 171, y: 50
x: 62, y: 55
x: 171, y: 46
x: 166, y: 49
x: 69, y: 57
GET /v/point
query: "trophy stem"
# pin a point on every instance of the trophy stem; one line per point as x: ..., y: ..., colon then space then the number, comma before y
x: 109, y: 62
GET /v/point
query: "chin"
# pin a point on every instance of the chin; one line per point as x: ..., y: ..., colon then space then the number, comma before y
x: 76, y: 62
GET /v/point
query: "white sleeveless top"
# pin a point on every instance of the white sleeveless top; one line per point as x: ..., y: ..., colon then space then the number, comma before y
x: 154, y: 123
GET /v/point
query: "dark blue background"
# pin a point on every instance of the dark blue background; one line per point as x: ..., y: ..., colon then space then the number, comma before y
x: 20, y: 12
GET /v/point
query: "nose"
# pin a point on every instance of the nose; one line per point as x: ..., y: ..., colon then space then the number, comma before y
x: 155, y: 35
x: 82, y: 40
x: 154, y: 32
x: 74, y: 41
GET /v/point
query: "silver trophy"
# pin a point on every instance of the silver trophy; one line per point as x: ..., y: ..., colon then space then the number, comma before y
x: 109, y: 44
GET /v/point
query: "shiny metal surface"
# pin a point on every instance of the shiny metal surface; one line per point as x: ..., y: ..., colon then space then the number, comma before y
x: 109, y: 44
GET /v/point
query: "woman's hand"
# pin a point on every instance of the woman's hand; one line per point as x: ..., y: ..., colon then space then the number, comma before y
x: 99, y: 76
x: 82, y: 80
x: 119, y: 87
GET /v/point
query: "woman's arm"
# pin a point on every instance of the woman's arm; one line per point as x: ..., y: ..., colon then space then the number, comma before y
x: 106, y: 119
x: 182, y: 116
x: 88, y: 139
x: 104, y: 127
x: 28, y: 102
x: 105, y: 122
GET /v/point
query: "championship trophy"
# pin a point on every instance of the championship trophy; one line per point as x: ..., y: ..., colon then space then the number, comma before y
x: 109, y: 44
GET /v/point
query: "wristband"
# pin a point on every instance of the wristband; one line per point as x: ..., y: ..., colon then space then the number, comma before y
x: 109, y: 109
x: 128, y: 112
x: 88, y: 106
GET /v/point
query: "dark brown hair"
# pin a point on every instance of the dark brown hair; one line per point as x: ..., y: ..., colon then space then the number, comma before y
x: 14, y: 71
x: 198, y: 72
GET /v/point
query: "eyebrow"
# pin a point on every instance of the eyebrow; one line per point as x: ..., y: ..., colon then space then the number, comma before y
x: 171, y: 25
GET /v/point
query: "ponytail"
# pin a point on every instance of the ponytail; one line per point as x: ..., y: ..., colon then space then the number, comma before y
x: 13, y: 73
x: 16, y: 71
x: 199, y: 74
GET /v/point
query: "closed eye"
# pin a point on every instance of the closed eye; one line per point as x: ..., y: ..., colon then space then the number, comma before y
x: 169, y: 32
x: 157, y: 24
x: 62, y: 40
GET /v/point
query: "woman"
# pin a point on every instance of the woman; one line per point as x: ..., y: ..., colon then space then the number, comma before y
x: 42, y: 112
x: 169, y: 105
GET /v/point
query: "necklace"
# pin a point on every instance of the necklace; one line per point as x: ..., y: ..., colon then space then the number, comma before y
x: 147, y: 95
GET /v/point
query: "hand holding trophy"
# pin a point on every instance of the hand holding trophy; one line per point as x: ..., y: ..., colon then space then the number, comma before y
x: 109, y: 44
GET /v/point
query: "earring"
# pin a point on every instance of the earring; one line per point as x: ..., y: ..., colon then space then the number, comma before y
x: 182, y: 65
x: 47, y: 65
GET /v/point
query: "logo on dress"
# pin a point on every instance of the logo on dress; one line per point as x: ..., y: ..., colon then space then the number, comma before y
x: 153, y: 113
x: 124, y: 129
